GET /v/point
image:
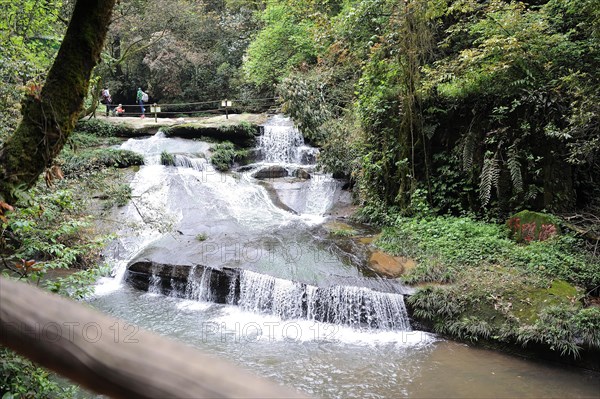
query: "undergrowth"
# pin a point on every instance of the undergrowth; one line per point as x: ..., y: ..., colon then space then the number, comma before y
x: 480, y: 284
x: 101, y: 128
x: 50, y: 239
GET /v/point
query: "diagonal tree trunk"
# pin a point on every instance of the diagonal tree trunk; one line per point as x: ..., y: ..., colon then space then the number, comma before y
x: 50, y: 115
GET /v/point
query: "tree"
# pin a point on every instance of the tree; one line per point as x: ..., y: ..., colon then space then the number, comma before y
x: 50, y: 112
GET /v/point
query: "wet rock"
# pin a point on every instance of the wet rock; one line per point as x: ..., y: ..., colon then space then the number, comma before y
x: 308, y: 156
x: 271, y: 172
x: 301, y: 174
x: 390, y: 266
x: 172, y: 279
x: 245, y: 168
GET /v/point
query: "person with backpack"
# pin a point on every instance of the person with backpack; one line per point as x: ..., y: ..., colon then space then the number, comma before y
x: 141, y: 98
x: 106, y: 99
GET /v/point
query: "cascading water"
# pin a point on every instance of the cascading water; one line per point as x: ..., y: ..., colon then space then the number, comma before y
x: 280, y: 142
x: 344, y: 305
x: 206, y: 193
x: 184, y: 161
x: 198, y: 288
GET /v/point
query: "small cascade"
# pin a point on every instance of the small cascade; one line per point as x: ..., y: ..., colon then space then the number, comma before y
x: 319, y: 194
x: 199, y: 288
x: 185, y: 161
x: 344, y: 305
x: 280, y: 141
x: 265, y: 294
x: 154, y: 283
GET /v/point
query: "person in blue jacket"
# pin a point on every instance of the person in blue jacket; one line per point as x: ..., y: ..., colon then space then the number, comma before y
x: 140, y: 101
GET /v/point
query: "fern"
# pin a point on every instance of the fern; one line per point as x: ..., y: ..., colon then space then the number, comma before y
x: 490, y: 175
x: 514, y: 166
x: 468, y: 152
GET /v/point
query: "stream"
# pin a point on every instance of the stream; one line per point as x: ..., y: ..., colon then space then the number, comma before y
x: 265, y: 287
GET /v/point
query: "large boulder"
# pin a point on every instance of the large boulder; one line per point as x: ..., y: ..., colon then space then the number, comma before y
x: 527, y: 226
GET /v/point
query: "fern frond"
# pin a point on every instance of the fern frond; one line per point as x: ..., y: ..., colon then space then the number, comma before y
x: 468, y: 152
x: 532, y: 192
x: 490, y: 175
x: 514, y: 166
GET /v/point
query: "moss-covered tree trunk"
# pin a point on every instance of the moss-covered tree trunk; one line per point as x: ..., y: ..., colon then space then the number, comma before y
x: 50, y: 115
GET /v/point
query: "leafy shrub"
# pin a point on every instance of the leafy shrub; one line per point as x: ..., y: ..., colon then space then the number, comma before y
x: 20, y: 378
x: 167, y: 159
x: 75, y: 164
x: 52, y: 230
x: 224, y: 155
x: 564, y: 328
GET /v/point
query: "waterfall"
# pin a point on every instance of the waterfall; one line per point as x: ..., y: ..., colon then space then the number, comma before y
x: 280, y: 141
x: 319, y: 194
x: 199, y: 288
x: 193, y: 197
x: 154, y: 283
x: 344, y: 305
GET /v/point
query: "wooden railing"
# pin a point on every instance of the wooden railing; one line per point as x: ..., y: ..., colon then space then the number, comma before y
x: 112, y: 357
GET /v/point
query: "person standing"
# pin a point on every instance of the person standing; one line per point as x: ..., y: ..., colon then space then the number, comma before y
x: 140, y: 101
x: 106, y: 99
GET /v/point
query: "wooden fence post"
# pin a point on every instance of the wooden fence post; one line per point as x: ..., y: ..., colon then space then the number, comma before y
x: 113, y: 357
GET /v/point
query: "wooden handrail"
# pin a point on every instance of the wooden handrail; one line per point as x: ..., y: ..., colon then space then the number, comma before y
x: 111, y: 357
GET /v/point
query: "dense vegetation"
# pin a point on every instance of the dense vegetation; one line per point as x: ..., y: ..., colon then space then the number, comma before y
x: 484, y: 106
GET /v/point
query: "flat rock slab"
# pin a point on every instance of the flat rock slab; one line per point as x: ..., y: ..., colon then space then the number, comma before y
x: 391, y: 266
x: 147, y: 126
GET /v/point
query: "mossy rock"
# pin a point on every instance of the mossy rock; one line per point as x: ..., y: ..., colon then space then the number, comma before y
x: 242, y: 134
x: 529, y: 303
x: 527, y: 226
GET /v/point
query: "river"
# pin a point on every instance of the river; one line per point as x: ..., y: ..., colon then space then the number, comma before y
x: 296, y: 311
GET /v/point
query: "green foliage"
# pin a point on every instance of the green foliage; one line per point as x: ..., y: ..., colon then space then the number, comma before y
x: 483, y: 285
x: 564, y: 328
x: 456, y: 243
x: 20, y: 378
x: 343, y: 232
x: 117, y: 195
x: 167, y: 159
x: 225, y: 154
x: 101, y: 128
x: 527, y: 226
x: 201, y: 237
x: 29, y: 39
x: 341, y: 151
x: 488, y: 120
x: 76, y: 164
x: 283, y: 44
x: 50, y: 229
x: 79, y: 284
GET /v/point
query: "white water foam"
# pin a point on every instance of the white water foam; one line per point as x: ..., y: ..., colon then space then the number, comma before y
x: 245, y: 326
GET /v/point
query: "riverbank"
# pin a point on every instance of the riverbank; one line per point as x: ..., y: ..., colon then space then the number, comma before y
x: 477, y: 285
